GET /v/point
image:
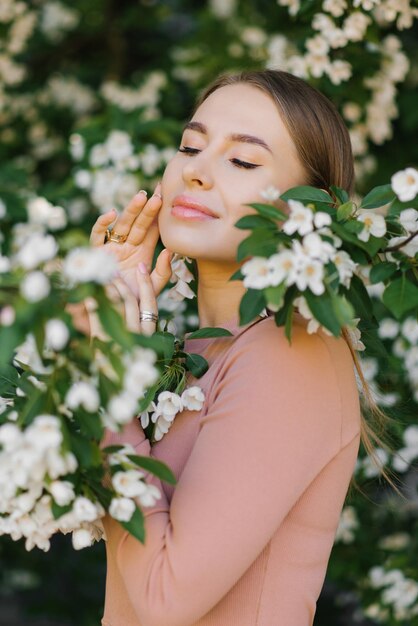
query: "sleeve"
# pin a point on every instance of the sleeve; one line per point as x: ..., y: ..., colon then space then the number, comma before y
x: 273, y: 423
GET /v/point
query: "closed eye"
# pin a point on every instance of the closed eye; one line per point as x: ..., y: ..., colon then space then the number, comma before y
x: 237, y: 162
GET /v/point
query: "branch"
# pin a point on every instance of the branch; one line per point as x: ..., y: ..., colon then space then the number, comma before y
x: 400, y: 245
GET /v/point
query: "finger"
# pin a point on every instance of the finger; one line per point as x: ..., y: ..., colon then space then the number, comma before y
x: 147, y: 298
x: 99, y: 229
x: 150, y: 241
x: 143, y: 221
x: 130, y: 310
x: 162, y: 271
x: 130, y: 213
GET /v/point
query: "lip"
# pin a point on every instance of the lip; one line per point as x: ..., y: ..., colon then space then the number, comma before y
x: 186, y: 207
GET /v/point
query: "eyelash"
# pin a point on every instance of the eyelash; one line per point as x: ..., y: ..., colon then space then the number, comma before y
x: 237, y: 162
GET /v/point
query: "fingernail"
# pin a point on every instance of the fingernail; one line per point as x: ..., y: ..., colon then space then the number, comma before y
x: 157, y: 190
x: 143, y: 268
x: 143, y: 191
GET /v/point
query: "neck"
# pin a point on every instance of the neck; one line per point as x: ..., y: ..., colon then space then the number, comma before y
x: 218, y: 298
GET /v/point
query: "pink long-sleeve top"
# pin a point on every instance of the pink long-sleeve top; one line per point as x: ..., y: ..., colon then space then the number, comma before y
x: 244, y: 537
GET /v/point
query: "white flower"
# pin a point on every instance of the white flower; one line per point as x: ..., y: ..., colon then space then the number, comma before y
x: 410, y: 330
x: 62, y: 491
x: 7, y: 315
x: 89, y: 264
x: 370, y: 469
x: 27, y: 354
x: 85, y: 510
x: 410, y: 249
x: 40, y: 211
x: 144, y: 417
x: 83, y: 179
x: 122, y: 509
x: 150, y: 496
x: 44, y: 432
x: 321, y: 219
x: 169, y: 404
x: 77, y: 146
x: 397, y: 541
x: 162, y: 426
x: 405, y: 184
x: 374, y: 224
x: 404, y: 457
x: 388, y: 328
x: 82, y: 538
x: 118, y: 145
x: 282, y: 267
x: 270, y: 194
x: 256, y: 273
x: 316, y: 248
x: 355, y: 25
x: 409, y: 220
x: 35, y: 286
x: 122, y: 407
x: 3, y: 209
x: 310, y: 274
x: 4, y: 264
x: 83, y: 394
x: 179, y: 269
x: 193, y: 398
x: 345, y: 266
x: 347, y: 525
x: 129, y: 483
x: 56, y: 334
x: 99, y: 155
x: 36, y: 249
x: 339, y: 71
x: 10, y: 435
x: 300, y: 219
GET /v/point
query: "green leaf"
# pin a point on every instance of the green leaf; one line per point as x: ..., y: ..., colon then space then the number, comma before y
x: 323, y: 311
x: 87, y: 453
x: 358, y: 296
x: 343, y: 309
x: 113, y: 324
x: 154, y: 466
x: 275, y: 296
x: 164, y: 343
x: 304, y: 193
x: 341, y: 194
x: 400, y: 296
x: 58, y: 510
x: 34, y: 405
x: 238, y: 275
x: 344, y: 211
x: 260, y: 243
x: 382, y: 271
x: 378, y: 196
x: 269, y: 211
x: 209, y: 331
x: 196, y: 364
x: 10, y: 338
x: 288, y: 323
x: 251, y: 304
x: 135, y: 526
x: 255, y: 221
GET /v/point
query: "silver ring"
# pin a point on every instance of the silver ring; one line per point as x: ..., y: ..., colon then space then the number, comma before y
x: 147, y: 316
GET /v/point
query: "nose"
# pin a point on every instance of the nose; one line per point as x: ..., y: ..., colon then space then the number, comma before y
x: 196, y: 174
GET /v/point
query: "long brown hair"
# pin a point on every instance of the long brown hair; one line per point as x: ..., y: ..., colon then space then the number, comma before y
x: 324, y: 148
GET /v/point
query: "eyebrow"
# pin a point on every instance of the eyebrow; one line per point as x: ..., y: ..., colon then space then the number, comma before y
x: 201, y: 128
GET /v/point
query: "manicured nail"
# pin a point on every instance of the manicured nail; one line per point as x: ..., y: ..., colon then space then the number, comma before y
x: 157, y: 190
x: 143, y: 268
x: 143, y: 191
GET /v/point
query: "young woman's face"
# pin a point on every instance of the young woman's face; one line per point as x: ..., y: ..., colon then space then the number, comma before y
x: 235, y: 147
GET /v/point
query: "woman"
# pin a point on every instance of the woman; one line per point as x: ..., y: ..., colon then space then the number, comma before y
x: 245, y: 536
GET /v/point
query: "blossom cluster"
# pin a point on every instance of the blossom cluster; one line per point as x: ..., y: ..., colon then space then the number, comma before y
x: 399, y: 594
x: 168, y: 405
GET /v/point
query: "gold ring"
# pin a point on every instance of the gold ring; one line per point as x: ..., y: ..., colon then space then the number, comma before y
x: 111, y: 235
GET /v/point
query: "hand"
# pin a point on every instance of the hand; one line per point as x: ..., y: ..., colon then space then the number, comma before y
x: 127, y: 304
x: 138, y: 222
